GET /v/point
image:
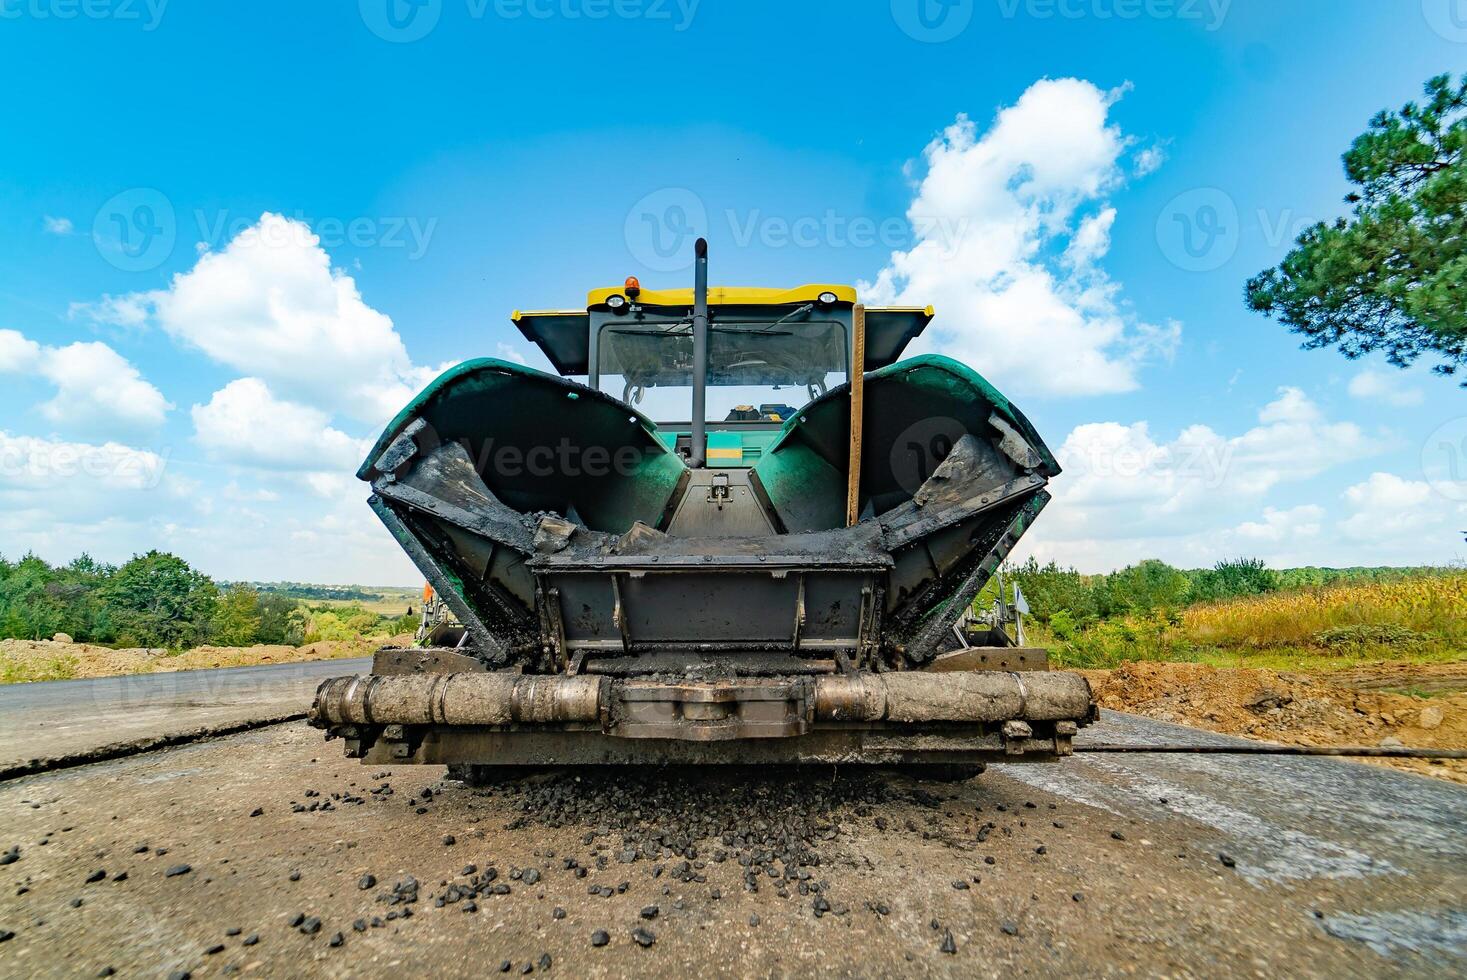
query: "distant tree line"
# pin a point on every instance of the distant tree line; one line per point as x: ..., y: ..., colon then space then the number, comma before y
x: 1064, y: 597
x: 301, y: 590
x: 153, y: 600
x: 158, y: 600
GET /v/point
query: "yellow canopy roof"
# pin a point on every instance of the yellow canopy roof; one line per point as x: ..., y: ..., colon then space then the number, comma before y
x: 729, y: 295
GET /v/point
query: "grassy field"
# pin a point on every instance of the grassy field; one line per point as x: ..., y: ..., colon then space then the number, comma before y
x: 1416, y: 620
x: 384, y: 601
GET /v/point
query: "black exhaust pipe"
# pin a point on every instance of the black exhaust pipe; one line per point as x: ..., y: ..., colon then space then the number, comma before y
x: 698, y: 454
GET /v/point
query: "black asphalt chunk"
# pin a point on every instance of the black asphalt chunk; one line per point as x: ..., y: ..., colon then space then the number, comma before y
x: 650, y: 912
x: 600, y: 937
x: 311, y: 925
x: 76, y: 903
x: 216, y: 948
x: 337, y: 939
x: 178, y: 869
x: 557, y: 913
x: 643, y: 937
x: 449, y: 840
x: 120, y: 876
x: 295, y: 876
x: 296, y: 919
x: 6, y: 935
x: 360, y: 925
x: 233, y: 931
x: 11, y: 856
x: 97, y: 875
x: 1078, y: 896
x: 106, y: 971
x: 258, y: 811
x: 366, y: 881
x: 504, y: 966
x: 544, y: 961
x: 1009, y: 928
x: 948, y: 944
x: 180, y: 975
x: 1117, y: 835
x: 1228, y: 861
x: 251, y: 939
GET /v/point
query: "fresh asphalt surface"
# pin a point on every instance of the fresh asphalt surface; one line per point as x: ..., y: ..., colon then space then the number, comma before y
x: 1384, y: 852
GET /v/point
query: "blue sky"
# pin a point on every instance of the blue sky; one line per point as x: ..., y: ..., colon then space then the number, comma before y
x: 1128, y: 163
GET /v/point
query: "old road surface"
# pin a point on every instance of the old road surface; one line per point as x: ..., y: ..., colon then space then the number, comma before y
x: 70, y: 718
x: 268, y: 853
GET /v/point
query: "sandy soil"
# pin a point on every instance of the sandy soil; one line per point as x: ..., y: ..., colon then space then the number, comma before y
x: 1344, y: 708
x: 24, y: 660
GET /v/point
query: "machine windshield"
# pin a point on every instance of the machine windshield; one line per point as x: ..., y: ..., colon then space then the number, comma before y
x: 757, y: 369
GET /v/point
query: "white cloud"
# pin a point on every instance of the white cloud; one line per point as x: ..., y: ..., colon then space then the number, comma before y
x: 271, y: 306
x: 1092, y: 240
x: 1149, y: 161
x: 1390, y: 389
x: 28, y: 464
x: 1126, y: 495
x: 1401, y: 519
x: 233, y: 491
x: 1282, y: 525
x: 60, y: 498
x: 129, y: 311
x: 1009, y: 227
x: 98, y: 392
x: 58, y: 226
x: 18, y: 354
x: 244, y: 424
x: 509, y: 352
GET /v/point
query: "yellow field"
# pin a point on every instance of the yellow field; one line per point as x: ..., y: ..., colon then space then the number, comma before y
x: 1435, y: 608
x: 384, y: 602
x: 1418, y: 620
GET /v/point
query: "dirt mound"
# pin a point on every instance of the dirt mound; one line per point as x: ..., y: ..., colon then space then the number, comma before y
x: 1295, y: 708
x: 37, y: 660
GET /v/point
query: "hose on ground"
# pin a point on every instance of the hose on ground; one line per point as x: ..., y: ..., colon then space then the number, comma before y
x: 1365, y: 751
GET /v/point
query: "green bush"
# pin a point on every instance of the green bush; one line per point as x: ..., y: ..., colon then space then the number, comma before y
x: 159, y: 601
x: 1370, y: 634
x: 1233, y: 580
x: 1141, y: 589
x: 1051, y: 589
x: 154, y: 600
